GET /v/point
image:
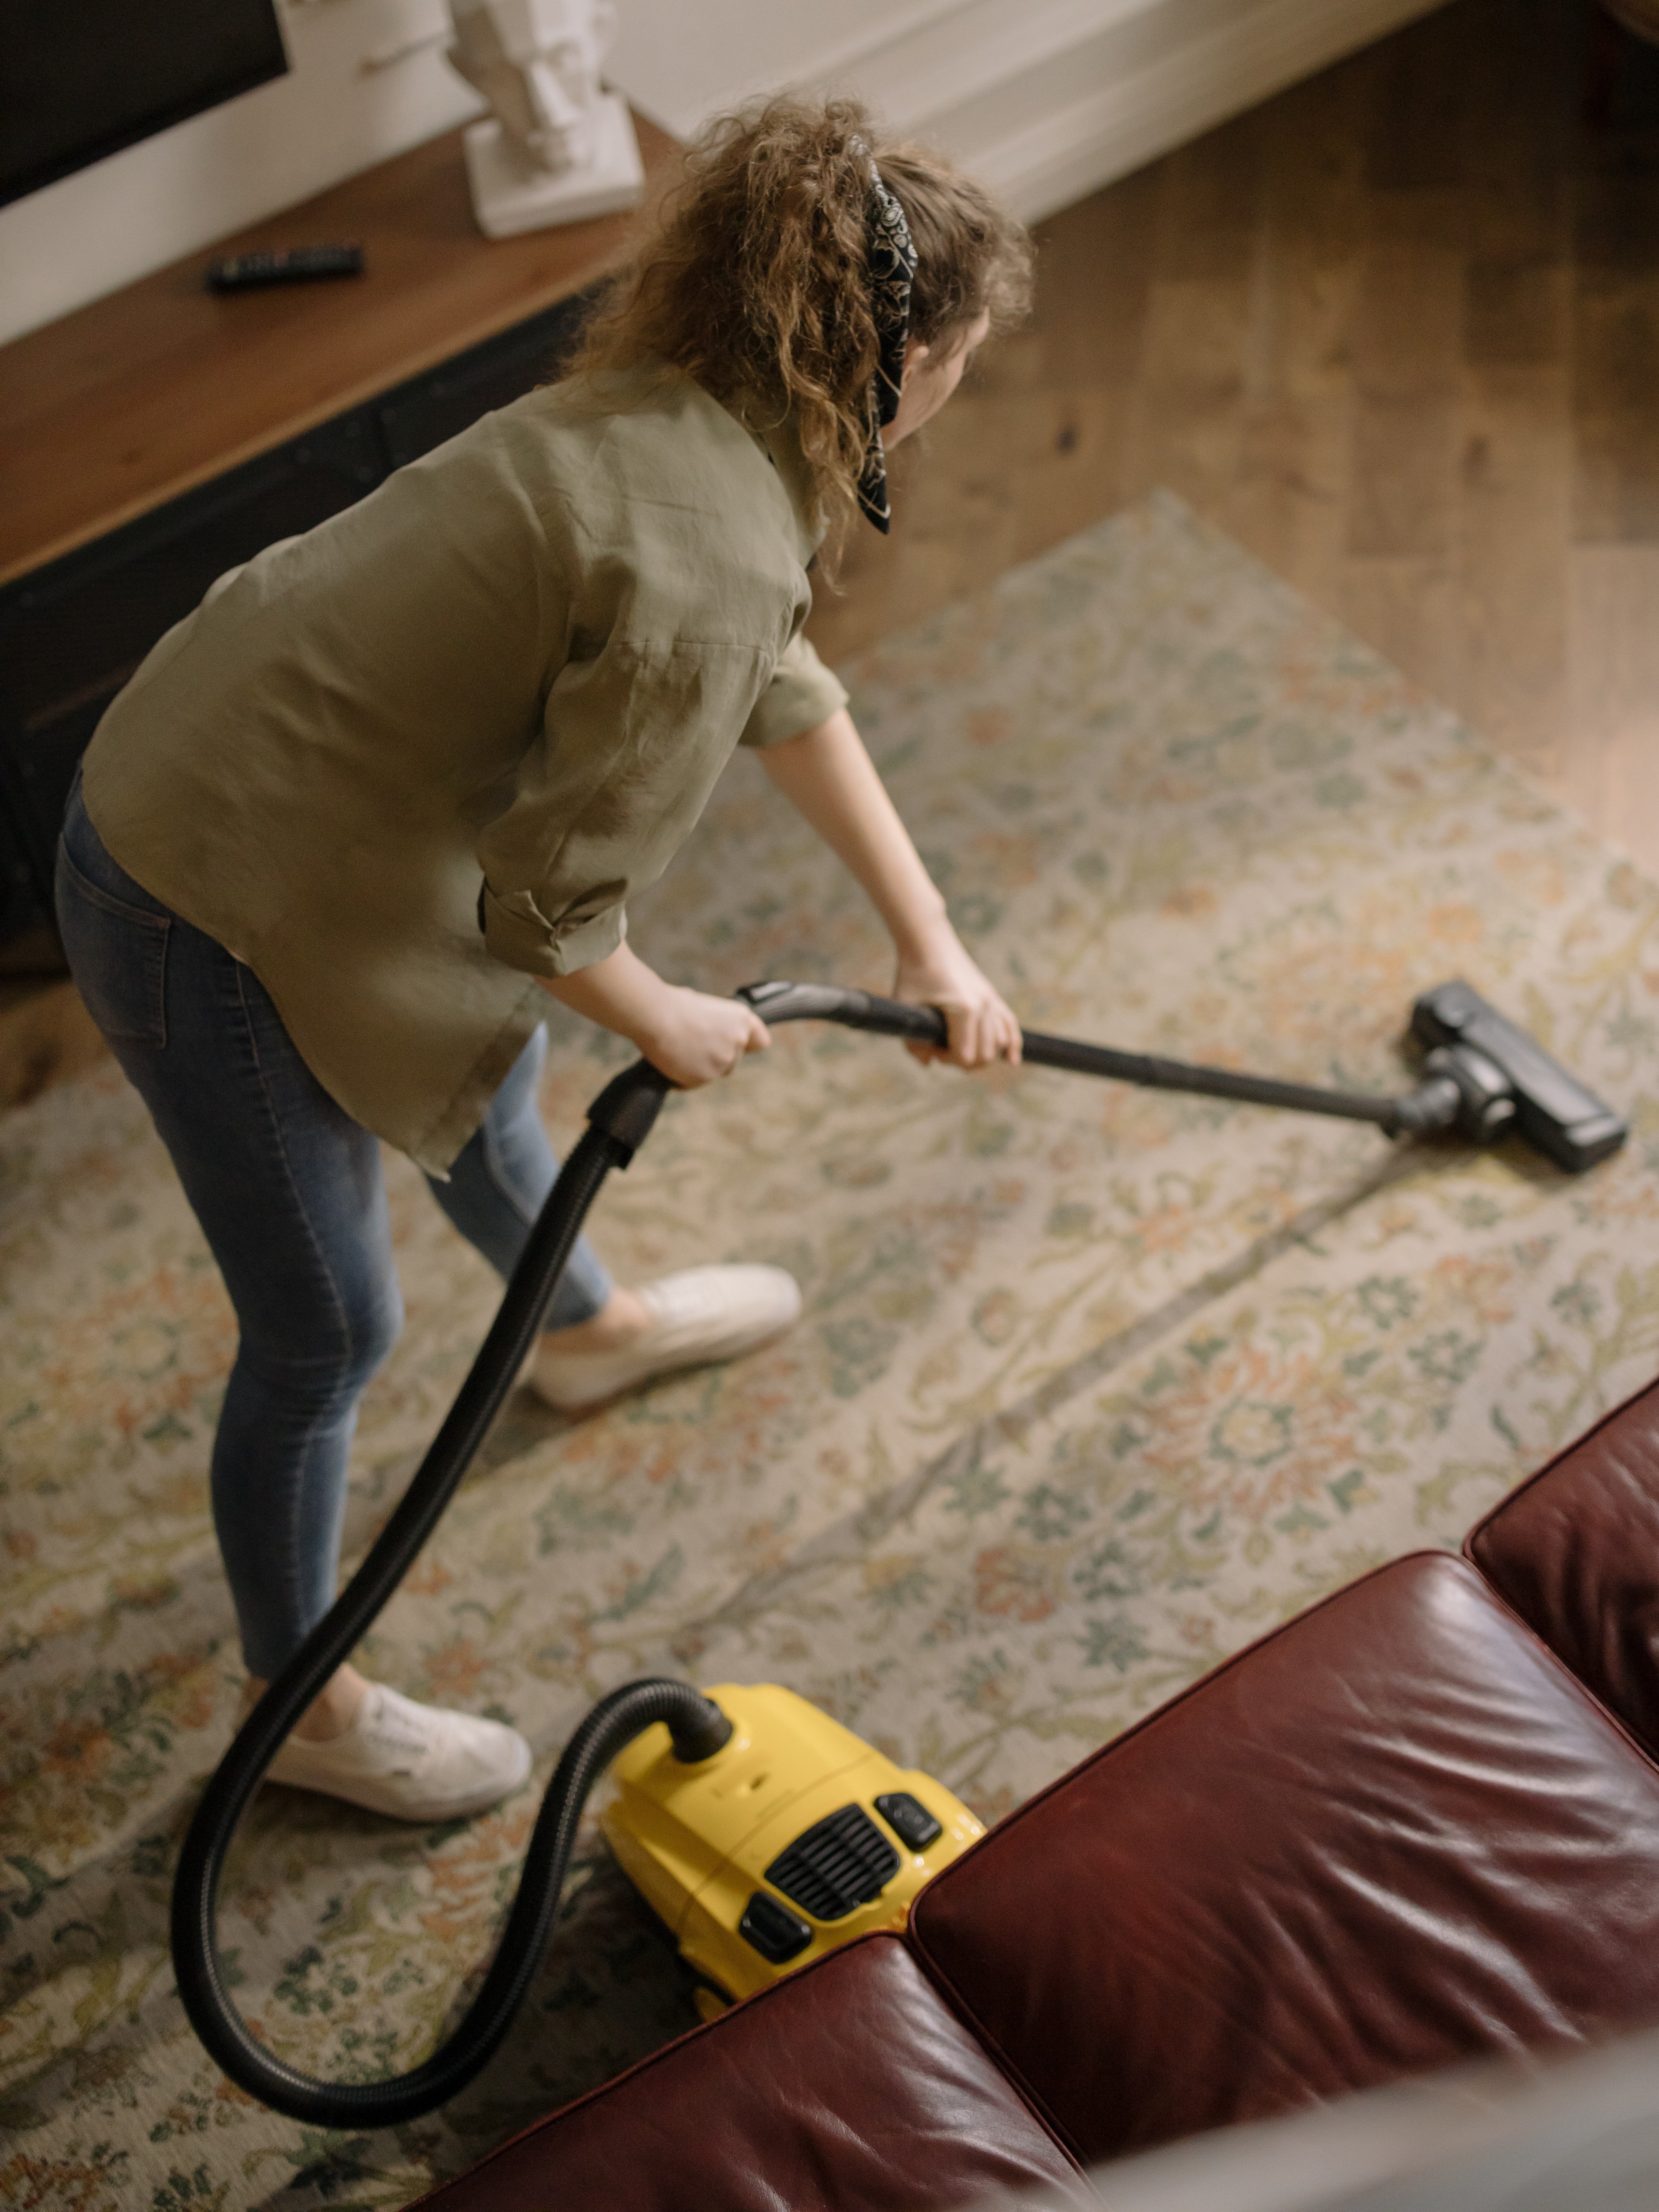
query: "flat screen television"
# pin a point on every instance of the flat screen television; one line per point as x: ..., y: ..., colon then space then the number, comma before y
x: 80, y: 79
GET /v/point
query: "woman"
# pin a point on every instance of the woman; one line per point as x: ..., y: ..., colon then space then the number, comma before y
x: 395, y: 779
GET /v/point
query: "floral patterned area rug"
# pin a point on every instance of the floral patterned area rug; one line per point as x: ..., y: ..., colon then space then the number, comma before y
x: 1093, y: 1385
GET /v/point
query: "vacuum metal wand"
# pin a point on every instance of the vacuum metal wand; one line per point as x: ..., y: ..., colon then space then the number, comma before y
x: 1481, y: 1077
x: 858, y: 1010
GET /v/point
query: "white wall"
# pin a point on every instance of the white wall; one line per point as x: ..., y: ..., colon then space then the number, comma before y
x: 1046, y: 98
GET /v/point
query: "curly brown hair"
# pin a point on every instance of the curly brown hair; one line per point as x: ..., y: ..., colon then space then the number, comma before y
x: 751, y: 274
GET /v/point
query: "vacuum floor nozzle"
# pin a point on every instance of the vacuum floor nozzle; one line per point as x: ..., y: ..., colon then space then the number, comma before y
x: 1552, y: 1111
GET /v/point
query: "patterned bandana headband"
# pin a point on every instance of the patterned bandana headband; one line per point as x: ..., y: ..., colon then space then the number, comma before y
x: 891, y: 259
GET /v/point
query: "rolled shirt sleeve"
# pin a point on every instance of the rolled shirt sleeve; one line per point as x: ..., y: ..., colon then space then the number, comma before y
x: 632, y: 742
x: 801, y: 694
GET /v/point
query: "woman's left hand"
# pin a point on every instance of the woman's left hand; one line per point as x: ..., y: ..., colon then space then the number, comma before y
x: 983, y: 1027
x: 827, y: 775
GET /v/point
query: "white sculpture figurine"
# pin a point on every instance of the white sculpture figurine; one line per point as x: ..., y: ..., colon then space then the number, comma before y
x: 559, y: 148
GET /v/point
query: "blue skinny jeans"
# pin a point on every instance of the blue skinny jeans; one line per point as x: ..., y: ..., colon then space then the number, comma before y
x: 288, y: 1191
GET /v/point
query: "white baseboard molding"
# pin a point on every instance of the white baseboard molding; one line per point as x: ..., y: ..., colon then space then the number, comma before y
x: 956, y: 52
x: 1074, y: 150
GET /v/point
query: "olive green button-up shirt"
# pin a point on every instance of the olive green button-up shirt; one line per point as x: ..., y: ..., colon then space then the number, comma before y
x: 500, y: 687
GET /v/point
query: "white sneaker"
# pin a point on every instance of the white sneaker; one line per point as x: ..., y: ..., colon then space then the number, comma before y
x: 700, y: 1314
x: 411, y: 1762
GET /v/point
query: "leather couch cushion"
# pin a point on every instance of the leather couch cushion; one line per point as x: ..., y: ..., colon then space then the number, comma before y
x: 1393, y: 1834
x: 847, y: 2086
x: 1576, y: 1551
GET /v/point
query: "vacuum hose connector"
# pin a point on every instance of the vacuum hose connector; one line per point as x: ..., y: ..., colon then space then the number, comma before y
x: 697, y: 1728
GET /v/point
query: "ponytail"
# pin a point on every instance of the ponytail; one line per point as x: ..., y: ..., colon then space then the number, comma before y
x: 752, y: 277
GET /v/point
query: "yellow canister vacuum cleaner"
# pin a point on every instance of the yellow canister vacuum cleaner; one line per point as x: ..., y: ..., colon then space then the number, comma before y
x: 761, y: 1831
x: 794, y: 1837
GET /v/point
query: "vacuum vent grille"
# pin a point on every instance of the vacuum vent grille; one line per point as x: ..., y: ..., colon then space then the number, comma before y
x: 842, y: 1862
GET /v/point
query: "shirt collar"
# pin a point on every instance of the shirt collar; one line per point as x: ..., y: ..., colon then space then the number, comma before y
x: 780, y: 443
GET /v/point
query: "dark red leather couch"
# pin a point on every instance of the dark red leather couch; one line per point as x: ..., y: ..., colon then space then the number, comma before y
x: 1417, y: 1825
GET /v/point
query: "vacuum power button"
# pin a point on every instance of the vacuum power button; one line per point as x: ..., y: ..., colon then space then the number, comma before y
x: 910, y: 1820
x: 773, y: 1928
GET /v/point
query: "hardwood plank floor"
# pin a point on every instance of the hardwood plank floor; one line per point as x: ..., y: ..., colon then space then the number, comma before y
x: 1396, y: 330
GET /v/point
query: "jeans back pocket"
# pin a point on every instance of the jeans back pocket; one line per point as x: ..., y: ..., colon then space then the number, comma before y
x: 117, y: 953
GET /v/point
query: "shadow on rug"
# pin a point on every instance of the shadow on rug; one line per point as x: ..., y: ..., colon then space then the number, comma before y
x: 1093, y: 1384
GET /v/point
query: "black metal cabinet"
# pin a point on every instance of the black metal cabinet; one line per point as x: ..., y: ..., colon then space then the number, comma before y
x: 72, y: 633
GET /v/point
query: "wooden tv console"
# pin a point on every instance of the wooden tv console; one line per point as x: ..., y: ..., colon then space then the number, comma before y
x: 153, y: 440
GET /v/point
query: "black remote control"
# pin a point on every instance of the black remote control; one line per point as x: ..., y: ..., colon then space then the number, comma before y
x: 300, y: 264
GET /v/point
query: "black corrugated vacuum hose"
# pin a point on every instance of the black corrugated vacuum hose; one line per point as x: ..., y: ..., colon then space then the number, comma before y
x: 619, y: 1121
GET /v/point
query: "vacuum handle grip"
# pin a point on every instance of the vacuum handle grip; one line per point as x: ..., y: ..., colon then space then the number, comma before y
x: 853, y: 1009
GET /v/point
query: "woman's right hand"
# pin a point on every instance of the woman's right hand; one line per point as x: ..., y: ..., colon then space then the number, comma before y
x: 694, y: 1039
